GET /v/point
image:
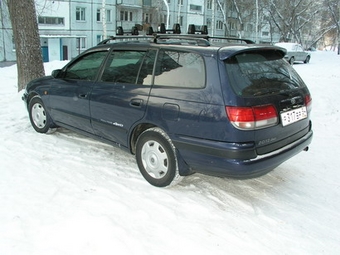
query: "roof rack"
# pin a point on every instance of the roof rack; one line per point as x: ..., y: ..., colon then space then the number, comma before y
x: 201, y: 38
x: 127, y: 38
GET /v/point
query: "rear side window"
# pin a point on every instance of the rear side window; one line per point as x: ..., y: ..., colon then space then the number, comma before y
x: 261, y: 73
x: 129, y: 67
x: 180, y: 69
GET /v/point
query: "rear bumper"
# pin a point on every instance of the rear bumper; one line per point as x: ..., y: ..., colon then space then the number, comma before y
x: 235, y: 160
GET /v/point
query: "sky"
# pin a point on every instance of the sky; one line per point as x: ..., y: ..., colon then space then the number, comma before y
x: 66, y: 194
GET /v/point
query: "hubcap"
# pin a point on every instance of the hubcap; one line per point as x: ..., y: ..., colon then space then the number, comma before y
x: 38, y: 115
x: 155, y: 159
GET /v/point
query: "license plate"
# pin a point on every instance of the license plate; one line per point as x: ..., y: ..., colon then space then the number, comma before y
x: 293, y: 116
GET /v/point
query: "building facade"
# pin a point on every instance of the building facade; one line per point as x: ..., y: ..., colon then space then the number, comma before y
x: 68, y: 27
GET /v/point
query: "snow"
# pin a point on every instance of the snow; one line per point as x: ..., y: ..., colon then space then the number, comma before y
x: 63, y: 193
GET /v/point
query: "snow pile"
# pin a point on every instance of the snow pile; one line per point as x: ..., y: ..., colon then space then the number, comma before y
x: 67, y: 194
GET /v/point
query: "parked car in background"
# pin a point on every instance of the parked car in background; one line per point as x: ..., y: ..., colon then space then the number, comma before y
x: 181, y: 104
x: 295, y: 52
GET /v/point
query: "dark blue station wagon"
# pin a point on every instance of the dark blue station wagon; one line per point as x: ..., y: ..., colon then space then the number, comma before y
x: 181, y: 105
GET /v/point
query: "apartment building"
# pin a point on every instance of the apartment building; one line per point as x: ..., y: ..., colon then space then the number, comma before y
x: 68, y: 27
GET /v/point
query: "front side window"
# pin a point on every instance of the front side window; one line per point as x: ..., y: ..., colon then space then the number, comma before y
x: 85, y: 68
x: 180, y: 69
x: 259, y: 73
x: 134, y: 67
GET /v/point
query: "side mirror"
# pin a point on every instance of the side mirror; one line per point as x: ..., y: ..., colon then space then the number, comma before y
x: 56, y: 73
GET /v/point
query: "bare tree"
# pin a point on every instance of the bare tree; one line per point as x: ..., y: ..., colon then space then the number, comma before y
x: 27, y: 42
x: 334, y: 11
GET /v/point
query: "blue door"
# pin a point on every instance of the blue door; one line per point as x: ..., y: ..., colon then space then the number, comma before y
x: 44, y: 51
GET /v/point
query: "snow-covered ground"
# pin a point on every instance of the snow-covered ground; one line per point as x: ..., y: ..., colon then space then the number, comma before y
x: 67, y: 194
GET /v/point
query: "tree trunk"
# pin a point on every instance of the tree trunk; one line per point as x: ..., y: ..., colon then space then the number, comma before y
x: 27, y: 42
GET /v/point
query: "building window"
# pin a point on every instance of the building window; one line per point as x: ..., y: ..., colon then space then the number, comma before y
x: 99, y: 15
x: 100, y: 38
x: 209, y: 4
x: 126, y: 16
x: 50, y: 20
x: 80, y: 14
x: 181, y: 21
x: 108, y: 15
x: 265, y: 33
x: 196, y: 8
x: 147, y: 18
x: 232, y: 25
x: 147, y: 2
x: 208, y: 23
x: 219, y: 24
x: 81, y: 43
x: 180, y: 2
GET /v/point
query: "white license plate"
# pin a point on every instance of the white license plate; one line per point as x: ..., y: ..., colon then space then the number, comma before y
x: 293, y: 116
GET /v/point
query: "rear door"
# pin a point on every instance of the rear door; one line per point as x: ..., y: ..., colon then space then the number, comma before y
x: 69, y: 96
x: 271, y: 88
x: 120, y: 97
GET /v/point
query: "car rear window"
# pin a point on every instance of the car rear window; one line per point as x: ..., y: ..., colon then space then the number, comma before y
x: 258, y: 73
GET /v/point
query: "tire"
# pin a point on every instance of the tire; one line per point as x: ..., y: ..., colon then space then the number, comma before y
x: 307, y: 60
x: 156, y: 158
x: 291, y: 60
x: 38, y: 115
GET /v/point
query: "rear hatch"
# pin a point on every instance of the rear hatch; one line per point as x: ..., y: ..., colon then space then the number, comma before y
x: 265, y: 97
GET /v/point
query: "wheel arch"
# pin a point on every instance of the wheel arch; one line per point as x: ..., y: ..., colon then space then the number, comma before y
x: 30, y: 96
x: 183, y: 167
x: 137, y: 130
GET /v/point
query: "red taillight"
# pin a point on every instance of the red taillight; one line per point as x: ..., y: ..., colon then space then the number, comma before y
x: 256, y: 117
x: 308, y: 102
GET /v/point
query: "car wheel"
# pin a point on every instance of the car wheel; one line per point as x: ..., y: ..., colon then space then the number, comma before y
x: 38, y: 115
x: 291, y: 60
x: 156, y: 157
x: 307, y: 60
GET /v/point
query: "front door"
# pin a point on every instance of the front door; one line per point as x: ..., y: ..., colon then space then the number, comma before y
x: 70, y: 94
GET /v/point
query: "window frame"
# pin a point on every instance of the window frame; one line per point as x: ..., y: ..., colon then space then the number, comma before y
x: 80, y: 14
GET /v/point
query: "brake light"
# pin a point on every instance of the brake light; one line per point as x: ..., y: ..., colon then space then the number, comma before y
x: 250, y: 118
x: 308, y: 102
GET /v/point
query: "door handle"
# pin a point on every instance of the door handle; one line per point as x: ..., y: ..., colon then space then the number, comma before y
x: 136, y: 102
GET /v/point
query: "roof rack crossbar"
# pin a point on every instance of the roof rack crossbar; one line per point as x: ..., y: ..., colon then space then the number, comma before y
x: 202, y: 36
x: 200, y: 41
x: 125, y: 37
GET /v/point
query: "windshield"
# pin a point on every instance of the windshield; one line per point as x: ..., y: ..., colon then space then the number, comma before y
x: 261, y: 73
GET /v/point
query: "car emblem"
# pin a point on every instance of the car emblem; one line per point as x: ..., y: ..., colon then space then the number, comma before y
x: 293, y: 101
